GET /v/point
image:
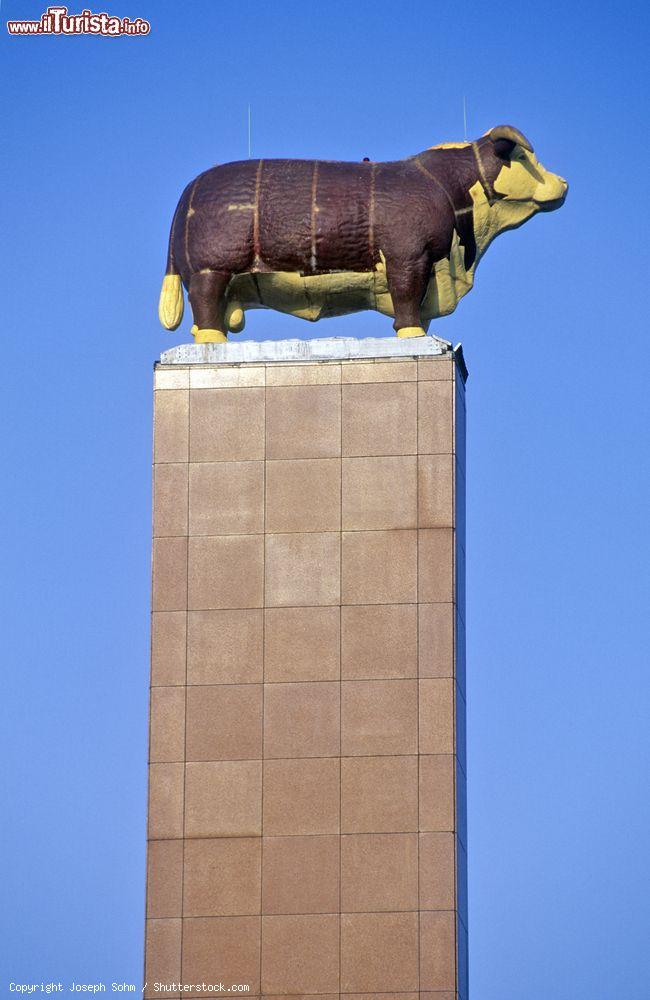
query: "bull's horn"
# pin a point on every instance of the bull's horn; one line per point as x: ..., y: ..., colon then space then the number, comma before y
x: 513, y: 134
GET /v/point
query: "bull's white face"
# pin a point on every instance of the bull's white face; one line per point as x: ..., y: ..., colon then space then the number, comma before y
x: 526, y: 188
x: 525, y: 180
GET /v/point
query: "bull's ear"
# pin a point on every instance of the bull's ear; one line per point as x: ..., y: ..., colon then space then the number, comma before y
x: 503, y: 148
x: 513, y: 135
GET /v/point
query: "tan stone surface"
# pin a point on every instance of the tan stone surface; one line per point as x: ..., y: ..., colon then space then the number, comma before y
x: 379, y: 717
x: 303, y: 495
x: 222, y: 877
x: 301, y: 796
x: 380, y: 419
x: 379, y: 871
x: 327, y: 373
x: 435, y: 418
x: 171, y: 425
x: 301, y: 874
x: 437, y: 861
x: 227, y: 377
x: 435, y: 368
x: 383, y: 996
x: 435, y: 565
x: 301, y: 644
x: 226, y: 425
x: 437, y: 950
x: 226, y: 572
x: 168, y: 644
x: 378, y: 371
x: 224, y: 722
x: 170, y: 499
x: 165, y: 878
x: 302, y: 996
x: 436, y: 640
x: 303, y: 421
x: 437, y: 792
x: 226, y: 498
x: 379, y: 951
x: 163, y: 953
x: 436, y: 491
x: 222, y: 949
x: 379, y: 567
x: 302, y: 720
x: 303, y: 819
x: 171, y: 378
x: 165, y: 801
x: 300, y: 954
x: 436, y: 715
x: 167, y: 732
x: 225, y: 647
x: 379, y: 493
x: 379, y: 794
x: 379, y: 641
x: 169, y: 574
x: 302, y: 569
x: 223, y: 798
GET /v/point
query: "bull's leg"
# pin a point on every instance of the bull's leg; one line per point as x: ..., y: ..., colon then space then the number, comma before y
x: 407, y: 284
x: 207, y: 295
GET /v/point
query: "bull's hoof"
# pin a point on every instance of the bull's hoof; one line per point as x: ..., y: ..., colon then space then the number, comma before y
x: 411, y: 331
x: 208, y: 336
x: 235, y: 319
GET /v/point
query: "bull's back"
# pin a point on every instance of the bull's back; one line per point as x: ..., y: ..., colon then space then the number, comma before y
x: 213, y: 227
x: 315, y: 215
x: 311, y: 216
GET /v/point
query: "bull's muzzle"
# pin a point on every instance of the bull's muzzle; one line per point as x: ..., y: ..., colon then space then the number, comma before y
x: 552, y: 194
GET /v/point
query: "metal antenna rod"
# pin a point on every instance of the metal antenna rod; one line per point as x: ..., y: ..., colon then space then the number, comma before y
x: 464, y: 117
x: 249, y: 131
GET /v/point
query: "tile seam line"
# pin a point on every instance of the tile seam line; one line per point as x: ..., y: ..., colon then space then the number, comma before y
x: 305, y: 458
x: 340, y: 823
x: 315, y: 531
x: 372, y: 356
x: 187, y: 604
x: 282, y: 607
x: 310, y: 913
x: 454, y: 447
x: 264, y: 486
x: 299, y: 385
x: 378, y: 357
x: 259, y: 760
x: 318, y: 680
x: 300, y: 607
x: 288, y: 836
x: 417, y: 633
x: 324, y: 680
x: 151, y: 685
x: 264, y: 996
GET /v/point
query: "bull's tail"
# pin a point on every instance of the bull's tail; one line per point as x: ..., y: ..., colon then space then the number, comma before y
x: 170, y: 304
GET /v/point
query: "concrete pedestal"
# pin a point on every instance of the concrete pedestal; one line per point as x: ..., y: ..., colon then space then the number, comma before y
x: 307, y: 782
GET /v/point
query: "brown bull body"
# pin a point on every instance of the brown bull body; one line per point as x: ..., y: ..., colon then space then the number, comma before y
x: 318, y: 217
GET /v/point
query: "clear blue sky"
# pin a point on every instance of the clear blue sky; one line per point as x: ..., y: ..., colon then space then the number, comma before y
x: 99, y: 138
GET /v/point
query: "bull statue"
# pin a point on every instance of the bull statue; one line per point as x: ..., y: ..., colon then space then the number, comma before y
x: 317, y: 238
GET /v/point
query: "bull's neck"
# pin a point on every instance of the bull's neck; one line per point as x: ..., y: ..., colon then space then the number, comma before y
x: 455, y: 169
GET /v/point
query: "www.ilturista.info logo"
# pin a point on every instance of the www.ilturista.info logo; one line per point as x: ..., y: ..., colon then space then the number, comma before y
x: 57, y: 21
